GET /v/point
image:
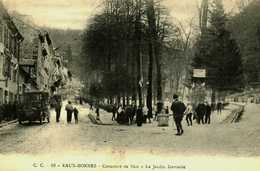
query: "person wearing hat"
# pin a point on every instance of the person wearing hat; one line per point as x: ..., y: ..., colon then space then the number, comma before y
x: 178, y: 108
x: 69, y: 108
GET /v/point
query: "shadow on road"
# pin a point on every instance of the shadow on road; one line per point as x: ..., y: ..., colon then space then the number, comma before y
x: 31, y: 124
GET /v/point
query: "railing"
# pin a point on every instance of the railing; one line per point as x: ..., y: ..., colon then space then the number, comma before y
x: 237, y: 114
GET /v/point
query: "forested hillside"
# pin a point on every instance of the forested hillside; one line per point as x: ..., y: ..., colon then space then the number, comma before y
x: 245, y: 28
x: 68, y: 44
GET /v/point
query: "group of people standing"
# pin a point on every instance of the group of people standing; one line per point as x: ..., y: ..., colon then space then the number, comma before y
x: 69, y: 109
x: 201, y: 113
x: 124, y: 114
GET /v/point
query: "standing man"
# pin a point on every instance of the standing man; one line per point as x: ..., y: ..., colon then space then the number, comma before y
x: 133, y: 112
x: 69, y: 108
x: 80, y: 100
x: 219, y: 107
x: 200, y: 110
x: 167, y: 110
x: 139, y: 116
x: 58, y: 105
x: 178, y: 108
x: 208, y: 113
x: 91, y: 105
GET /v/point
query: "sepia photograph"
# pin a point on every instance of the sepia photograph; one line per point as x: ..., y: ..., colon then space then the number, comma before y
x: 142, y: 85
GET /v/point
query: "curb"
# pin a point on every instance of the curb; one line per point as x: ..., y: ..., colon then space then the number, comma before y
x: 8, y: 123
x: 235, y: 114
x: 96, y: 122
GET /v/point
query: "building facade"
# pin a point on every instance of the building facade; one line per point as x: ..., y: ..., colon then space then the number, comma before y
x: 10, y: 46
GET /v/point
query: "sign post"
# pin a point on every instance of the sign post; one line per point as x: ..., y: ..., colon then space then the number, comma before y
x: 198, y: 86
x: 199, y: 73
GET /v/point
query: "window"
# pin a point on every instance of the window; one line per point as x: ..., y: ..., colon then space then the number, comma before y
x: 1, y: 30
x: 6, y: 97
x: 18, y: 49
x: 21, y: 86
x: 11, y: 97
x: 10, y: 42
x: 6, y: 36
x: 14, y: 75
x: 15, y: 48
x: 1, y: 96
x: 10, y: 72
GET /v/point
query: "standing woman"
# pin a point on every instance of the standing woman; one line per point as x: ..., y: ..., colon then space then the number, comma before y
x: 188, y: 112
x: 76, y: 114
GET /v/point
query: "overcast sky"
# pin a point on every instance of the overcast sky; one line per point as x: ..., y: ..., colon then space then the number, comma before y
x: 73, y: 14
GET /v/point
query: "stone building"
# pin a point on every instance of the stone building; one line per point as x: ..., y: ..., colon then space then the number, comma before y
x: 10, y: 46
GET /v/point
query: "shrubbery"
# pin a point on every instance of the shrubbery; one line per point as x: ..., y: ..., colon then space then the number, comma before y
x: 9, y: 111
x: 106, y: 107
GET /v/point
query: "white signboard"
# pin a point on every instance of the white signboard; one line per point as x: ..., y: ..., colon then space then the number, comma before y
x: 199, y: 73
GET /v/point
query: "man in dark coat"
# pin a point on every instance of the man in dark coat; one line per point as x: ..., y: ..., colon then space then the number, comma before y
x: 57, y: 106
x: 178, y: 108
x: 139, y: 116
x: 207, y: 113
x: 201, y: 110
x: 219, y: 107
x: 69, y: 108
x: 133, y: 113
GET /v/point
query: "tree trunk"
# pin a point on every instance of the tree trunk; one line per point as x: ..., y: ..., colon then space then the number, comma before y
x: 157, y: 47
x: 127, y: 100
x: 150, y: 16
x: 124, y: 101
x: 138, y: 52
x: 159, y: 84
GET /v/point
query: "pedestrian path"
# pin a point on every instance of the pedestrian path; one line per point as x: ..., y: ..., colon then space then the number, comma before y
x: 220, y: 117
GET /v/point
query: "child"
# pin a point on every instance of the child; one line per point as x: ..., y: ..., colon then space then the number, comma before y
x: 76, y: 112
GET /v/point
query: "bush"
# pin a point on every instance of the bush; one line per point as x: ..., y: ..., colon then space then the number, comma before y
x: 106, y: 107
x: 9, y: 111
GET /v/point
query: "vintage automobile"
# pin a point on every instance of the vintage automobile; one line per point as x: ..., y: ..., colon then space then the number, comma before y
x: 34, y: 107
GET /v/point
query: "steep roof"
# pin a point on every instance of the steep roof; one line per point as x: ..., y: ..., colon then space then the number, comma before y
x: 9, y: 21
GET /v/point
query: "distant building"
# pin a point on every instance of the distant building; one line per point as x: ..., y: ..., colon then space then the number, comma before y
x: 10, y: 48
x: 44, y: 65
x: 40, y: 67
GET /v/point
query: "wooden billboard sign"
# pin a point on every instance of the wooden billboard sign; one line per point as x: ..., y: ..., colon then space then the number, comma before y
x: 199, y: 73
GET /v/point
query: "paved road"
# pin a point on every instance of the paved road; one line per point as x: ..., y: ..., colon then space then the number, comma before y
x: 62, y: 138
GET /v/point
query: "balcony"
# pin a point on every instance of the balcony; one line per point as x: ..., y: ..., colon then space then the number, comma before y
x: 27, y: 62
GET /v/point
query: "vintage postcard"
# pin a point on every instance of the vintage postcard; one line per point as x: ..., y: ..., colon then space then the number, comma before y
x: 107, y: 85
